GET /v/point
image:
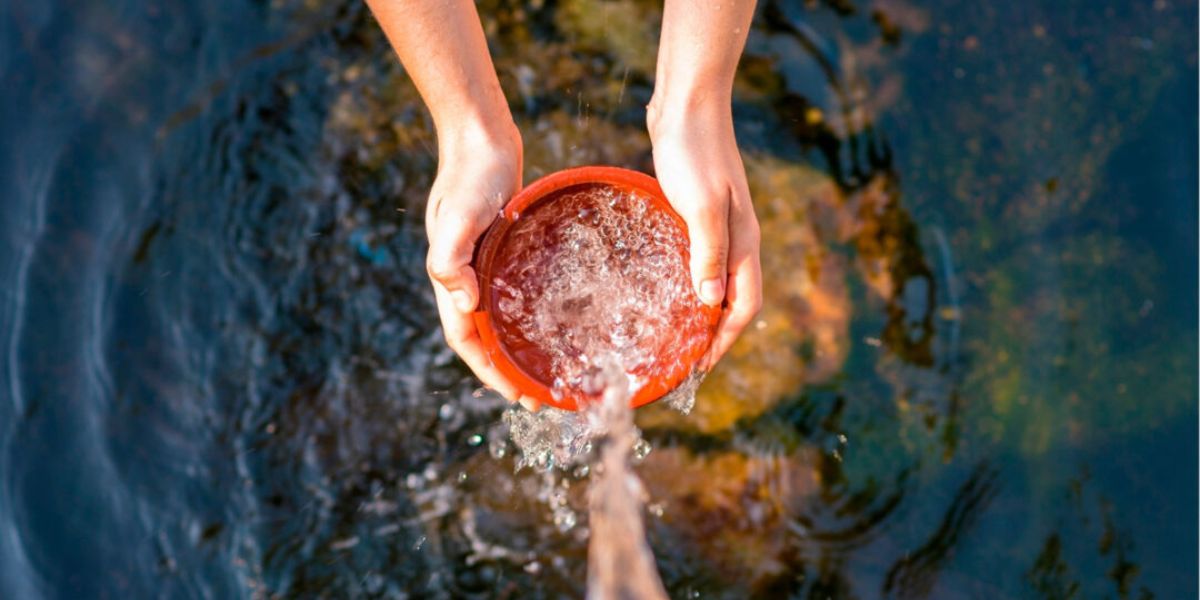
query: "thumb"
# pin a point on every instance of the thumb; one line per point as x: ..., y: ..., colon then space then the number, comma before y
x: 451, y: 247
x: 708, y: 229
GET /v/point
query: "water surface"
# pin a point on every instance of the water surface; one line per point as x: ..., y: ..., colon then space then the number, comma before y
x: 974, y: 374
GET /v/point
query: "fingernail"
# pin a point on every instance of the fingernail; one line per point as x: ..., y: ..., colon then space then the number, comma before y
x: 712, y: 291
x: 530, y: 404
x: 462, y: 301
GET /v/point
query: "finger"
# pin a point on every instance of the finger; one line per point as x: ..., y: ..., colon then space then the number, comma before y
x: 745, y: 286
x: 707, y: 218
x: 745, y: 300
x: 463, y: 337
x: 451, y: 248
x: 530, y: 403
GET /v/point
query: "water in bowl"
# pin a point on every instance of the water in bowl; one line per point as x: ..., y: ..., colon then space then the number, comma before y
x: 590, y: 273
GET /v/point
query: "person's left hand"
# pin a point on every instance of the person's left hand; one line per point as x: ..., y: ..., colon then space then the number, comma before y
x: 697, y: 163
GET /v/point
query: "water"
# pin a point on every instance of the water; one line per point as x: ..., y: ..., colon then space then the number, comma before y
x: 620, y: 563
x: 597, y: 275
x: 591, y: 293
x: 597, y: 446
x: 974, y: 374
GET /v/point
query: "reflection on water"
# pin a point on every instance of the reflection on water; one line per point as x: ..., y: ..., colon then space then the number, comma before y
x: 973, y: 376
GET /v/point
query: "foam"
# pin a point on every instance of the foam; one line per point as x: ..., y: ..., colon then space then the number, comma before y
x: 592, y: 276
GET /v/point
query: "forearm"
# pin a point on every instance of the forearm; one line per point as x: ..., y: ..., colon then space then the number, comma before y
x: 698, y: 54
x: 443, y: 48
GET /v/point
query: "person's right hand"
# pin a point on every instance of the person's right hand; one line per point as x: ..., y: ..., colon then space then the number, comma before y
x: 479, y: 169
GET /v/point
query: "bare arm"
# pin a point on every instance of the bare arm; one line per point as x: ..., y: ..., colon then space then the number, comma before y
x: 702, y: 41
x: 696, y: 158
x: 442, y: 46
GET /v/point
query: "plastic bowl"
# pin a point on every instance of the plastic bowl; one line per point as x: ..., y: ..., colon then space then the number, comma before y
x: 492, y: 335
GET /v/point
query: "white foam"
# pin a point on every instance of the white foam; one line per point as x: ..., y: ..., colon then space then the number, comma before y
x: 608, y: 283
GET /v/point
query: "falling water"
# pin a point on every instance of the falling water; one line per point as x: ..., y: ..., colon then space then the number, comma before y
x: 620, y: 562
x: 600, y: 442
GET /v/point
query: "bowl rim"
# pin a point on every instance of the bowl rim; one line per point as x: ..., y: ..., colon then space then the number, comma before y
x: 488, y: 246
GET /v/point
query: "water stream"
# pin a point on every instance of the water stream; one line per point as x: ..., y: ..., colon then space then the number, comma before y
x: 598, y: 446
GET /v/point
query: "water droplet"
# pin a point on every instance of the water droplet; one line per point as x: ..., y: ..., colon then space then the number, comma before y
x: 564, y: 519
x: 475, y: 440
x: 657, y: 509
x: 497, y: 447
x: 641, y: 449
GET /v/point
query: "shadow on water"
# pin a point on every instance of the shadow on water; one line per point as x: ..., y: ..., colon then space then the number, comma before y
x: 223, y: 374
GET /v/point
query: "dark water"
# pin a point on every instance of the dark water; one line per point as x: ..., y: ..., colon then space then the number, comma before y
x: 974, y: 376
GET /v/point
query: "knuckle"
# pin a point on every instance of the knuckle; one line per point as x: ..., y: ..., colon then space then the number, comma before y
x: 745, y: 310
x: 711, y: 260
x: 703, y: 204
x: 754, y: 307
x: 712, y: 249
x: 440, y: 270
x: 743, y: 317
x: 754, y: 233
x: 717, y: 244
x: 712, y: 214
x: 718, y: 260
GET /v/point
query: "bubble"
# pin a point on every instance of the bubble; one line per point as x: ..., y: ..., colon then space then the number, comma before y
x: 596, y: 275
x: 641, y: 449
x: 595, y: 301
x: 564, y: 519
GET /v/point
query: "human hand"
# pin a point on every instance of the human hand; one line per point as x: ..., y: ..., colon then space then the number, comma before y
x: 697, y: 163
x: 479, y: 169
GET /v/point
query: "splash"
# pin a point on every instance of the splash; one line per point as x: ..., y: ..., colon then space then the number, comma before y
x: 592, y: 294
x: 599, y: 443
x: 596, y: 274
x: 620, y: 562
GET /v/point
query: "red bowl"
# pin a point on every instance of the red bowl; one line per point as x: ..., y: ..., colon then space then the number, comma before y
x: 492, y: 335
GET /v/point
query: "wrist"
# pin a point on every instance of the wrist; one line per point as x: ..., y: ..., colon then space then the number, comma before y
x: 467, y: 135
x: 675, y: 109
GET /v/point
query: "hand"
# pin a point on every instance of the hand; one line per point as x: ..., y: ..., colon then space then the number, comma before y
x: 697, y: 163
x: 478, y: 171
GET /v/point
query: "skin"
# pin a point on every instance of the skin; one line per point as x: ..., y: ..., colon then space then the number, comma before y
x: 690, y: 121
